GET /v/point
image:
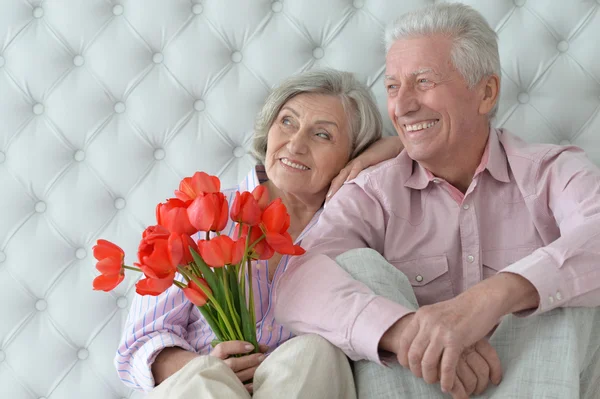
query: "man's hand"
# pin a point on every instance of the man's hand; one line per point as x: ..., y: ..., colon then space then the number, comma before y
x: 244, y: 367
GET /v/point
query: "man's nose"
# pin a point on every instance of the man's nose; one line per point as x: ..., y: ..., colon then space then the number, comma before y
x: 406, y: 102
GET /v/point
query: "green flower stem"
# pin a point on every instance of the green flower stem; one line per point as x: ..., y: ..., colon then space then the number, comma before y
x: 251, y: 301
x: 135, y: 269
x: 220, y: 311
x: 229, y: 304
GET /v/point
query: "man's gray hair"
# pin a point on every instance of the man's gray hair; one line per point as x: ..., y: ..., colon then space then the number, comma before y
x: 475, y: 50
x: 363, y: 115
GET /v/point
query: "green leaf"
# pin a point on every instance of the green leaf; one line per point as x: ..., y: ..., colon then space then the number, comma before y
x: 215, y: 284
x: 214, y: 326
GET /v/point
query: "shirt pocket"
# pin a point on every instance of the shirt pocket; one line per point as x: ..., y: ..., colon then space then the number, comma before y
x: 495, y: 260
x: 429, y: 278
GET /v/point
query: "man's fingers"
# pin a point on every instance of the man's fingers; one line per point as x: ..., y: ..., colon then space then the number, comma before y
x: 458, y: 391
x: 228, y: 348
x: 481, y: 369
x: 467, y: 376
x: 489, y: 354
x: 245, y: 362
x: 431, y: 362
x: 448, y: 368
x: 406, y: 340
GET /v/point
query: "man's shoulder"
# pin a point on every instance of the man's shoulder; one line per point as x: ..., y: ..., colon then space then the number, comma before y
x: 517, y: 149
x: 397, y: 169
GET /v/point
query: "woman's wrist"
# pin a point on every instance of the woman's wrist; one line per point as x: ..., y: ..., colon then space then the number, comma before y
x: 169, y: 361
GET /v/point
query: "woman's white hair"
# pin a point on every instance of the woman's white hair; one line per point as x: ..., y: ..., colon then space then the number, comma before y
x: 363, y: 115
x: 475, y: 50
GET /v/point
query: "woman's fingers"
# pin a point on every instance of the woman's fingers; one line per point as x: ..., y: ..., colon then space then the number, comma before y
x: 238, y: 364
x: 228, y: 348
x: 467, y: 376
x: 247, y: 374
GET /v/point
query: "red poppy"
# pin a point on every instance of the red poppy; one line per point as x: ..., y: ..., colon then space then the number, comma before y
x: 200, y: 183
x: 195, y: 294
x: 209, y: 212
x: 110, y: 264
x: 173, y: 215
x: 245, y: 209
x: 276, y: 221
x: 222, y: 250
x: 153, y: 286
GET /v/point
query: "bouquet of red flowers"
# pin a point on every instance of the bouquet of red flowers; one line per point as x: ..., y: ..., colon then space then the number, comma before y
x: 216, y: 271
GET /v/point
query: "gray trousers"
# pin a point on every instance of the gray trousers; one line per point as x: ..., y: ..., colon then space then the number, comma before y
x: 553, y: 355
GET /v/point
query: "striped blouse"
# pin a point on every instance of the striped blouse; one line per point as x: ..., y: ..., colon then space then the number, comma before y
x: 170, y: 319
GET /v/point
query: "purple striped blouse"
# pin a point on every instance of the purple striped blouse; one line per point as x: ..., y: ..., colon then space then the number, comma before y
x: 170, y: 319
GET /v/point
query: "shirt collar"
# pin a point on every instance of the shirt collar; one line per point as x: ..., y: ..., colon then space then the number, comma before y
x: 253, y: 179
x: 493, y: 159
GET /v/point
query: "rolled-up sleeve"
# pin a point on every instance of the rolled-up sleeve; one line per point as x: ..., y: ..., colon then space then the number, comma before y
x: 315, y: 295
x: 567, y: 271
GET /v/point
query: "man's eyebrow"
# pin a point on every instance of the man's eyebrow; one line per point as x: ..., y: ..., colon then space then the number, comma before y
x: 414, y: 73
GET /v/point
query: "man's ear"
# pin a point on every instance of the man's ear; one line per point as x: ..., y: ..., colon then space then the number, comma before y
x: 489, y: 94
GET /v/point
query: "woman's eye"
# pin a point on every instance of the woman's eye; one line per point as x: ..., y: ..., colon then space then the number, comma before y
x: 324, y: 135
x: 286, y: 121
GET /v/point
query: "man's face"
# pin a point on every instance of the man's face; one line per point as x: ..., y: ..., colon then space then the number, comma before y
x: 430, y: 104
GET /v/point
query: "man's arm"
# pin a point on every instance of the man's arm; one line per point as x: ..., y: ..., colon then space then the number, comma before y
x: 315, y: 295
x: 567, y: 271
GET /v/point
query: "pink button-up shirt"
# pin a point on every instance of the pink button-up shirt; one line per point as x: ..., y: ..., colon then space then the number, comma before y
x: 533, y: 210
x: 155, y: 323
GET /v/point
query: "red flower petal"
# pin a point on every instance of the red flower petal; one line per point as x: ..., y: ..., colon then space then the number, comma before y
x: 211, y: 253
x: 107, y: 283
x: 153, y: 286
x: 202, y: 213
x: 281, y: 243
x: 110, y: 266
x: 106, y: 249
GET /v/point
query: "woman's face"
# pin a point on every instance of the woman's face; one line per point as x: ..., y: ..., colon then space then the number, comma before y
x: 308, y: 144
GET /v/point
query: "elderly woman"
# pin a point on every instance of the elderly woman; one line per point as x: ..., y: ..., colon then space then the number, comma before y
x: 310, y: 128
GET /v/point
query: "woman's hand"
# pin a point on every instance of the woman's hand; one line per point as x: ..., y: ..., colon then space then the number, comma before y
x: 244, y: 366
x: 382, y: 150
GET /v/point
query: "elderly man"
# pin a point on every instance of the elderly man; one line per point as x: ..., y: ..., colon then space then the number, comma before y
x: 469, y: 234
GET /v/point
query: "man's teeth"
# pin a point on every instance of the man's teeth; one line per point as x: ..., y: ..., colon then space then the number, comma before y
x: 293, y: 164
x: 420, y: 126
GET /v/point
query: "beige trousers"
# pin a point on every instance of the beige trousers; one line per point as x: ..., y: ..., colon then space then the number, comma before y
x: 305, y: 367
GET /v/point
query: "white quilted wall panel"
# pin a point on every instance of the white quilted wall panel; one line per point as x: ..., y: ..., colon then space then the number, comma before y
x: 106, y: 104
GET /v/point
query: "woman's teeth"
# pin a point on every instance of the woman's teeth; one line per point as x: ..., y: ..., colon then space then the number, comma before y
x: 294, y: 165
x: 420, y: 126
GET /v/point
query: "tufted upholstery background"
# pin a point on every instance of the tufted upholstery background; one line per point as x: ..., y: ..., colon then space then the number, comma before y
x: 106, y: 104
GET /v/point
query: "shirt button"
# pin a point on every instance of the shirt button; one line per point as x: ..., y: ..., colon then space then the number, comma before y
x: 419, y: 278
x: 466, y: 207
x: 558, y: 296
x: 470, y: 258
x: 551, y: 299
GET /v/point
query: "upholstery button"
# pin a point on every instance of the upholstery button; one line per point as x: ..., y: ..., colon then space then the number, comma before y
x: 318, y: 53
x: 40, y: 207
x: 78, y: 60
x: 276, y: 6
x: 519, y: 3
x: 2, y: 157
x: 419, y: 278
x: 551, y: 299
x: 80, y: 253
x: 470, y: 258
x: 159, y: 154
x: 79, y: 155
x: 118, y: 9
x: 2, y: 256
x: 239, y: 152
x: 562, y: 46
x: 236, y: 57
x: 358, y: 3
x: 157, y: 58
x: 523, y: 98
x: 38, y: 12
x: 436, y: 180
x: 199, y: 105
x: 38, y: 109
x: 119, y: 203
x: 565, y: 142
x: 2, y: 61
x: 197, y: 9
x: 82, y: 354
x: 558, y: 295
x: 466, y: 207
x: 2, y: 356
x: 41, y: 305
x: 119, y: 107
x: 122, y: 302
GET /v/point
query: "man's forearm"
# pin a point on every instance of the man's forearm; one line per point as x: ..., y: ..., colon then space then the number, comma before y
x: 169, y: 361
x: 511, y: 292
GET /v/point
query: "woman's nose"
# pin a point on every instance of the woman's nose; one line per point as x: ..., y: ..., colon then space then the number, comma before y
x: 298, y: 142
